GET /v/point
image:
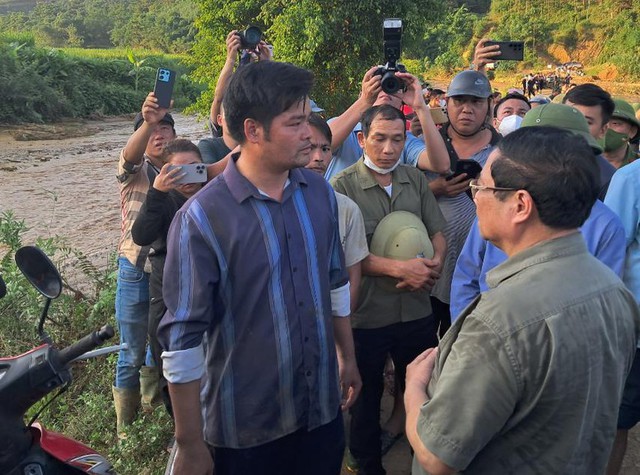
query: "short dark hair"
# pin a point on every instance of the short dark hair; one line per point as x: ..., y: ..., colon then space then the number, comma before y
x: 556, y: 167
x: 511, y: 95
x: 385, y: 112
x: 262, y: 91
x: 178, y: 146
x: 316, y: 120
x: 591, y: 95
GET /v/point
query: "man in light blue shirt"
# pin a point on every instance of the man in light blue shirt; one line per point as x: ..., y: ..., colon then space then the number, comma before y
x: 623, y: 197
x: 602, y: 231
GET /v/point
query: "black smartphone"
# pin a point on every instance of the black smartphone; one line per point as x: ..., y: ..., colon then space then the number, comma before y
x: 163, y: 90
x: 509, y: 50
x: 470, y: 167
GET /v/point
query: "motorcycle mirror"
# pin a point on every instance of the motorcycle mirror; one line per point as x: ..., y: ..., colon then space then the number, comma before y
x: 39, y: 271
x: 43, y: 275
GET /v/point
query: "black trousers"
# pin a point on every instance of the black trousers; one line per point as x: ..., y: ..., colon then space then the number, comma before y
x: 315, y: 452
x: 157, y: 308
x: 442, y: 313
x: 403, y: 341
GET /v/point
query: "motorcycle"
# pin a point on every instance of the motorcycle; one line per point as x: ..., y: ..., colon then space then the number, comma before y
x: 30, y: 449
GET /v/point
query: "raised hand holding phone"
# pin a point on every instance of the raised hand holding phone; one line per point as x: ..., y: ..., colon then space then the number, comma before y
x: 163, y: 89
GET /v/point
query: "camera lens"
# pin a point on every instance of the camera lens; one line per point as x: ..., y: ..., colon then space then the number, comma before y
x: 390, y: 83
x: 252, y: 37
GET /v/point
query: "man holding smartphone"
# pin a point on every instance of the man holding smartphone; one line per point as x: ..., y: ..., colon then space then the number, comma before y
x: 139, y: 163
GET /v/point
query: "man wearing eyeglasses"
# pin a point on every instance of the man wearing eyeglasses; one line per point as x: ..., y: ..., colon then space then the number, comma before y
x: 529, y: 377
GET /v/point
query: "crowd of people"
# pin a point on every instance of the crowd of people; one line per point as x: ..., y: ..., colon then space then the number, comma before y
x: 483, y: 246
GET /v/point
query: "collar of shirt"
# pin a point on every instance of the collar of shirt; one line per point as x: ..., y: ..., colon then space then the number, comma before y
x: 242, y: 189
x: 542, y: 252
x: 367, y: 180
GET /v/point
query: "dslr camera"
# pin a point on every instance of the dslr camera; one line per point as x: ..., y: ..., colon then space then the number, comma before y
x: 392, y: 46
x: 250, y: 38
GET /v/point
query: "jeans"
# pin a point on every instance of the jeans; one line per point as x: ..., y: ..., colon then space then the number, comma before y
x: 132, y: 315
x: 403, y: 341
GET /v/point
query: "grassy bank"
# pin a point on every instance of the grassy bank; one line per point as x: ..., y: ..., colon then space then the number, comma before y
x: 48, y: 84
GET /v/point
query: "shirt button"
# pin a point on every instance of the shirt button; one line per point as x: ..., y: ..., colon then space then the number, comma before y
x: 295, y: 269
x: 308, y: 373
x: 301, y: 304
x: 306, y: 339
x: 288, y: 235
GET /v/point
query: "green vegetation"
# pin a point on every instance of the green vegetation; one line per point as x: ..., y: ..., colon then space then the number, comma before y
x: 46, y: 84
x: 85, y: 411
x: 337, y: 40
x: 161, y: 25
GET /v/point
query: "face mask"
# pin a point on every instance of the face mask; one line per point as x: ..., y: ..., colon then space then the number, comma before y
x: 613, y: 140
x: 372, y: 166
x: 509, y: 124
x: 442, y: 103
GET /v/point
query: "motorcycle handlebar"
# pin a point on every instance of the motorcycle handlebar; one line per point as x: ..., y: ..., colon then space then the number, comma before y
x: 87, y: 343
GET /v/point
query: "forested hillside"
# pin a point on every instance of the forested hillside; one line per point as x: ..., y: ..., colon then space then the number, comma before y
x: 339, y: 40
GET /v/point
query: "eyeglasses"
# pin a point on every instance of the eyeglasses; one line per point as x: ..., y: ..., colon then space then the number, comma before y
x: 473, y: 184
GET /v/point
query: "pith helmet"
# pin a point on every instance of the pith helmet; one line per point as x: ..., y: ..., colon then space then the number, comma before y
x: 564, y: 117
x: 400, y: 235
x: 625, y: 111
x: 469, y: 83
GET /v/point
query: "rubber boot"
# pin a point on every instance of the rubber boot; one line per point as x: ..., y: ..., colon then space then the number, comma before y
x: 126, y: 402
x: 150, y: 388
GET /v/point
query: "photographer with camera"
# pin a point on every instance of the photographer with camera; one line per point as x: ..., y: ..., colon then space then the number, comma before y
x: 388, y: 84
x: 237, y: 43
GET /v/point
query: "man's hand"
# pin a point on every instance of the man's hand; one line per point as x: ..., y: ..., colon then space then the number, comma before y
x: 371, y: 86
x: 412, y: 94
x: 192, y: 459
x: 233, y: 45
x: 266, y: 53
x: 350, y: 382
x: 435, y: 264
x: 166, y: 179
x: 483, y: 55
x: 415, y: 274
x: 419, y: 370
x: 443, y: 187
x: 152, y: 113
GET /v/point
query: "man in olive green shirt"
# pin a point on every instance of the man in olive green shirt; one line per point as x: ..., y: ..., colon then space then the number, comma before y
x: 529, y: 378
x: 388, y: 320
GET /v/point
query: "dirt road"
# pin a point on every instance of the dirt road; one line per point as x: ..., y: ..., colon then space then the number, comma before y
x: 67, y: 187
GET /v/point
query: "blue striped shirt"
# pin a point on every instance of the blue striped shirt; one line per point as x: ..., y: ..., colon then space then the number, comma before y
x: 251, y: 277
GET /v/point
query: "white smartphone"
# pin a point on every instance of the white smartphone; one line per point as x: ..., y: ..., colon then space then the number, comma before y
x: 193, y: 173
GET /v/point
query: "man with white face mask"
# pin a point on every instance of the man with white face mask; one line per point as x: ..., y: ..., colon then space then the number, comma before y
x: 394, y: 314
x: 509, y: 111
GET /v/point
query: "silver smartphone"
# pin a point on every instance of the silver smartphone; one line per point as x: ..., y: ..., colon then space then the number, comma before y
x: 193, y: 173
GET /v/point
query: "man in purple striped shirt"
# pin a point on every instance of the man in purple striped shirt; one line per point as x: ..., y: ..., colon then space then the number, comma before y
x: 258, y: 298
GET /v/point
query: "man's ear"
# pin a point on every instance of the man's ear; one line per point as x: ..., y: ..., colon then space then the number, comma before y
x: 524, y: 207
x: 252, y: 131
x: 360, y: 137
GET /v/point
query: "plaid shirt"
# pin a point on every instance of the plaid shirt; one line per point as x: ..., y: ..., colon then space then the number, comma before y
x: 134, y: 185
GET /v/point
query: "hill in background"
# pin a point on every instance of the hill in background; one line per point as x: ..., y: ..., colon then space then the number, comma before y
x: 7, y: 6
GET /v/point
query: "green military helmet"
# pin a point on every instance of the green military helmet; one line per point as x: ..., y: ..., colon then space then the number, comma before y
x: 469, y: 83
x: 564, y: 117
x: 400, y: 235
x: 558, y: 99
x: 625, y: 111
x: 636, y: 106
